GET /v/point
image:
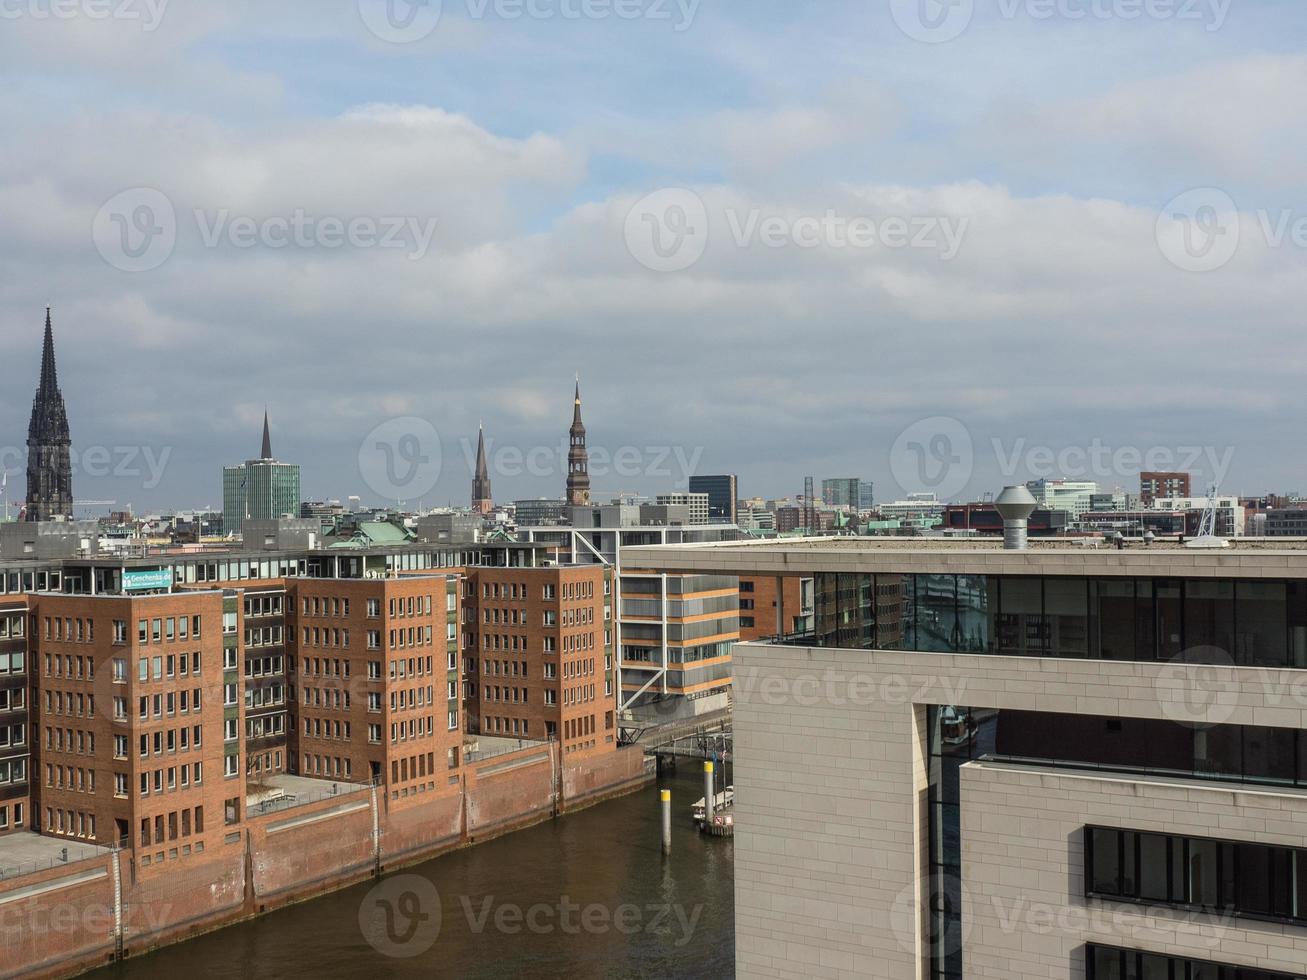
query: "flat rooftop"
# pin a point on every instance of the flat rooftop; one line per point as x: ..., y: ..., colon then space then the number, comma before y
x: 1245, y: 558
x: 25, y: 851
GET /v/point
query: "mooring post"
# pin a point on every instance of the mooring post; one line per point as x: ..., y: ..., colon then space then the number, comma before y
x: 667, y: 821
x: 708, y: 794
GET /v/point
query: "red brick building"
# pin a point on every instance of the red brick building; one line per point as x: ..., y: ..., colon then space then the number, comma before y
x: 539, y: 663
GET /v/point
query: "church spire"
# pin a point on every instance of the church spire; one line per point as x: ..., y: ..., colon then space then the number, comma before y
x: 267, y: 438
x: 578, y: 459
x: 482, y: 502
x: 49, y: 465
x: 49, y: 376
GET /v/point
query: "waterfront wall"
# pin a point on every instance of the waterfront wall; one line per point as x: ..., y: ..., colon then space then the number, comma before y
x: 65, y: 920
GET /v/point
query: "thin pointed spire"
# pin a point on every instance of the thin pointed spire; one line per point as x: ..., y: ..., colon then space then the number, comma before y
x: 49, y: 376
x: 267, y: 437
x: 482, y: 499
x: 483, y: 472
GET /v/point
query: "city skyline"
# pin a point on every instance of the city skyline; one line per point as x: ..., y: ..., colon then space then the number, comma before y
x: 1059, y: 320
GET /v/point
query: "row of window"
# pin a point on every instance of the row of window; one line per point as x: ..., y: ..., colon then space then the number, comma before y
x: 318, y: 728
x: 270, y: 604
x: 333, y: 636
x: 69, y: 666
x: 164, y: 780
x: 159, y: 667
x: 12, y: 625
x: 11, y: 817
x: 70, y: 823
x: 1239, y: 878
x: 13, y: 771
x: 1252, y: 623
x: 13, y: 663
x: 12, y: 735
x: 264, y: 726
x: 13, y: 699
x: 69, y: 630
x: 519, y: 591
x: 72, y: 778
x: 70, y: 740
x: 167, y: 629
x: 171, y: 826
x: 1113, y: 963
x: 330, y: 766
x: 498, y: 725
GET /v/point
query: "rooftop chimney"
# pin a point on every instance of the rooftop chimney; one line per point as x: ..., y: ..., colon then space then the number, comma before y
x: 1015, y: 505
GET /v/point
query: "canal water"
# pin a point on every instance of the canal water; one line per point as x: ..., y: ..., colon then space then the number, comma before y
x: 586, y: 895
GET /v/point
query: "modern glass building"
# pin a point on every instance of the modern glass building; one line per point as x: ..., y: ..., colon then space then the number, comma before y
x: 1036, y: 765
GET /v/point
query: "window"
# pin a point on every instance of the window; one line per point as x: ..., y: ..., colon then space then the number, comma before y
x: 1246, y: 880
x: 1111, y: 963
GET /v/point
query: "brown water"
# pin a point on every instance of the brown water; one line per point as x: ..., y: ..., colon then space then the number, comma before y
x: 587, y: 895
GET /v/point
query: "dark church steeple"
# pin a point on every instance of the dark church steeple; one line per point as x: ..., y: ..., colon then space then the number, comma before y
x: 482, y: 502
x: 49, y: 466
x: 578, y: 459
x: 267, y: 438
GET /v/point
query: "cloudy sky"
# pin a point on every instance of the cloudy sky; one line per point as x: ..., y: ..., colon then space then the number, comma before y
x: 938, y: 246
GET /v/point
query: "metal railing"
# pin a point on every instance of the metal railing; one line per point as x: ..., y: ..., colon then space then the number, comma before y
x: 295, y: 797
x: 70, y: 853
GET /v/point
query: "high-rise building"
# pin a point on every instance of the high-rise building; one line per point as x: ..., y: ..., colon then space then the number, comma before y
x: 578, y: 460
x: 698, y: 504
x: 482, y: 501
x: 259, y: 489
x: 1073, y: 496
x: 848, y: 492
x: 1138, y: 812
x: 49, y: 462
x: 723, y: 493
x: 1161, y: 485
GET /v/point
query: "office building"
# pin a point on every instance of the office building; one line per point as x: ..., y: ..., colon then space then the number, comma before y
x: 1159, y: 485
x: 1073, y: 496
x: 539, y: 659
x: 263, y: 488
x: 1047, y: 764
x: 723, y: 492
x: 848, y: 493
x: 696, y: 504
